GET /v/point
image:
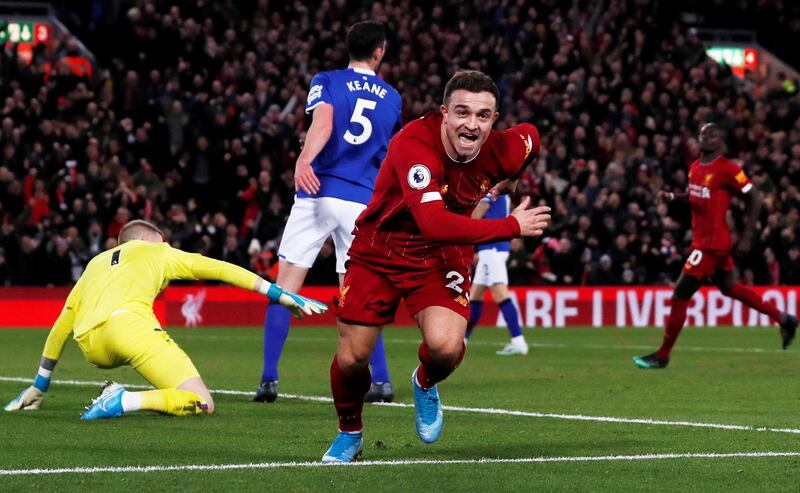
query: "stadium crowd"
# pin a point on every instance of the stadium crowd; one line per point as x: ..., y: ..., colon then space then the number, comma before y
x: 195, y: 120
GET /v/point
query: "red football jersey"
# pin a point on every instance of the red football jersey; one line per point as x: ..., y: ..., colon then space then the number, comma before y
x: 416, y: 218
x: 711, y: 187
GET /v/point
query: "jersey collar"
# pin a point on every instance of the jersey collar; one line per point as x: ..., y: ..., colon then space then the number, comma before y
x: 364, y: 71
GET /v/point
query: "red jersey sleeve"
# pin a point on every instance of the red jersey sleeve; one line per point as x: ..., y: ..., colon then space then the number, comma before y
x: 519, y: 146
x: 420, y: 173
x: 737, y: 179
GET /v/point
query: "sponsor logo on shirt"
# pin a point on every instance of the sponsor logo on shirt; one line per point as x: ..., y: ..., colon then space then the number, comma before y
x: 741, y: 178
x: 699, y: 192
x: 314, y: 93
x: 419, y: 177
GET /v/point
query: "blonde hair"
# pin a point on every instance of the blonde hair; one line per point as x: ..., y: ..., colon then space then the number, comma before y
x: 132, y: 230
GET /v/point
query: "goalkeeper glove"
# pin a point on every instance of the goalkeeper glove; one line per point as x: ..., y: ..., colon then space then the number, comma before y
x: 32, y: 397
x: 298, y: 305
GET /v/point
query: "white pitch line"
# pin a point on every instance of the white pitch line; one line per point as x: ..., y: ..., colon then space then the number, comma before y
x: 410, y: 462
x: 478, y: 410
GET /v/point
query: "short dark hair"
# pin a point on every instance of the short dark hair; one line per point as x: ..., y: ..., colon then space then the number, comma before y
x: 133, y: 229
x: 363, y: 38
x: 472, y: 81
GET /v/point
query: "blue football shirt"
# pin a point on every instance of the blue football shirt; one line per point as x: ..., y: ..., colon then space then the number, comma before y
x: 366, y: 114
x: 498, y: 209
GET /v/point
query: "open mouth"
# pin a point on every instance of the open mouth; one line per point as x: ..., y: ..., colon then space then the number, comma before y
x: 466, y: 139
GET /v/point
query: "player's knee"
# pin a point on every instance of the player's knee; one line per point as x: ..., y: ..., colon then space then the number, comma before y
x: 352, y: 361
x: 446, y: 352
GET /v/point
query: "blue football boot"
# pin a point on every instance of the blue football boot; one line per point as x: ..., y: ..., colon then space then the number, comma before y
x: 428, y: 410
x: 107, y: 405
x: 346, y: 447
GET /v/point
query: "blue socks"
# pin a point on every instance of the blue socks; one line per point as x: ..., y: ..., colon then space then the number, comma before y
x: 377, y: 362
x: 508, y: 310
x: 276, y: 328
x: 475, y: 312
x: 511, y: 315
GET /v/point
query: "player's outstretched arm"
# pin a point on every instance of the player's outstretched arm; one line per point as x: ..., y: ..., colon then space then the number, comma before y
x: 666, y: 197
x: 182, y: 265
x: 436, y: 223
x: 298, y: 305
x: 31, y: 398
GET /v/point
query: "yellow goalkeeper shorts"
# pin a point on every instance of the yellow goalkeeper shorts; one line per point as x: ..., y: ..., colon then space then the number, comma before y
x: 129, y: 338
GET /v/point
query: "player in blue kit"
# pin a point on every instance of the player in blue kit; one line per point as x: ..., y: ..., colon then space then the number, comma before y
x: 492, y: 273
x: 355, y: 113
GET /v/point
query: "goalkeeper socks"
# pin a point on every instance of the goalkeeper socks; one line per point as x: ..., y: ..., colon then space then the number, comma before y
x: 348, y: 390
x: 377, y: 362
x: 475, y: 312
x: 511, y: 315
x: 276, y: 328
x: 752, y: 299
x: 170, y: 401
x: 131, y: 401
x: 430, y: 372
x: 675, y: 321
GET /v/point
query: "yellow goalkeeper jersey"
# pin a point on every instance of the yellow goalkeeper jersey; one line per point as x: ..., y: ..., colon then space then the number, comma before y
x: 129, y: 277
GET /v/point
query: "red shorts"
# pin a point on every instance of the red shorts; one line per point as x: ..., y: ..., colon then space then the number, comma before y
x: 371, y: 298
x: 706, y: 263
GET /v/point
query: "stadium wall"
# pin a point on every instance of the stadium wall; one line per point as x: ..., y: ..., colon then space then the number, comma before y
x: 542, y: 307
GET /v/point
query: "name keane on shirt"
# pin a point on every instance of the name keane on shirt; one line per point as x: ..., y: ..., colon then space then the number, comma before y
x: 366, y: 86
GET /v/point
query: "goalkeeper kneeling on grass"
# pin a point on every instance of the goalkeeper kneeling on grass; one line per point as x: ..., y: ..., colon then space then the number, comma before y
x: 109, y: 312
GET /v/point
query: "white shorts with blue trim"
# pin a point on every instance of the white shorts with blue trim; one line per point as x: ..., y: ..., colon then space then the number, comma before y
x: 491, y: 268
x: 310, y: 223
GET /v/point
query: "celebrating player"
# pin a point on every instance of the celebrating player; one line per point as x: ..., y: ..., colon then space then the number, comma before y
x: 355, y: 113
x: 492, y: 273
x: 110, y: 314
x: 713, y: 180
x: 414, y: 242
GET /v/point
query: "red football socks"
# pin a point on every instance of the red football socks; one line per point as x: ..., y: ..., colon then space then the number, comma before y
x: 348, y: 390
x: 753, y: 300
x: 675, y: 321
x: 430, y: 372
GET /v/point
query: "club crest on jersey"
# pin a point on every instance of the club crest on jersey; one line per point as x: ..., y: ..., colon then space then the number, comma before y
x: 419, y: 177
x: 528, y: 144
x: 484, y: 188
x: 708, y: 178
x: 343, y: 295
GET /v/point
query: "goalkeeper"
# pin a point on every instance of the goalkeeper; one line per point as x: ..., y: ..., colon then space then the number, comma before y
x: 109, y: 313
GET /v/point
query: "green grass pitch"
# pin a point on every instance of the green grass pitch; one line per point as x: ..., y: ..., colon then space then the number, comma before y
x: 717, y: 376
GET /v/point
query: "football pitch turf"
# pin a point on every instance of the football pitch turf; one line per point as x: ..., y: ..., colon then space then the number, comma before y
x: 573, y: 415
